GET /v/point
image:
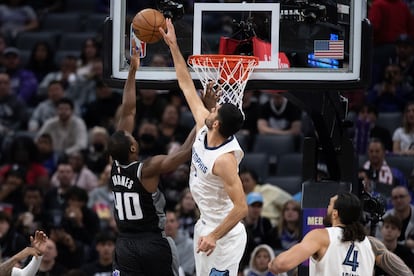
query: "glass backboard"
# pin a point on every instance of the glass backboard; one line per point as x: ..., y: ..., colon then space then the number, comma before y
x: 300, y: 44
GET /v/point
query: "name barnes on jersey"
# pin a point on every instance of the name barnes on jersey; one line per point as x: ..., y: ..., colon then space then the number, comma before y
x: 122, y: 180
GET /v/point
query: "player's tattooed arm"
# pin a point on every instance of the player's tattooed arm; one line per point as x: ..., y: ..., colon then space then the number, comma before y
x: 388, y: 261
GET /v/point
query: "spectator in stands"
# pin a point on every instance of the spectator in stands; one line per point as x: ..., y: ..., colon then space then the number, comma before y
x: 404, y: 47
x: 47, y: 108
x: 279, y: 116
x: 90, y: 52
x: 96, y: 156
x: 160, y: 60
x: 259, y: 229
x: 66, y: 74
x: 366, y: 128
x: 187, y: 212
x: 402, y: 209
x: 289, y: 225
x: 17, y: 17
x: 42, y: 60
x: 148, y: 139
x: 49, y: 264
x: 78, y: 220
x: 378, y: 169
x: 83, y: 91
x: 273, y: 196
x: 23, y: 82
x: 56, y: 196
x: 391, y: 230
x: 11, y: 242
x: 101, y: 201
x: 403, y: 137
x: 101, y: 111
x: 176, y: 98
x: 150, y: 105
x: 68, y: 131
x: 169, y: 127
x: 32, y: 214
x: 11, y: 190
x: 3, y: 46
x: 85, y: 178
x: 390, y: 94
x: 251, y: 109
x: 174, y: 184
x: 183, y: 242
x: 71, y: 252
x: 259, y: 260
x: 105, y: 246
x: 47, y: 155
x: 23, y: 153
x: 389, y: 19
x: 13, y: 111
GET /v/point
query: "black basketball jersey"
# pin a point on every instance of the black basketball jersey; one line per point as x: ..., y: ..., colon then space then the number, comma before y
x: 136, y: 210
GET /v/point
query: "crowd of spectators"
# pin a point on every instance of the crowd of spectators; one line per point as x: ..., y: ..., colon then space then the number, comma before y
x: 56, y: 116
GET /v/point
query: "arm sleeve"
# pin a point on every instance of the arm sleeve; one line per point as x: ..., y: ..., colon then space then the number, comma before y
x: 30, y: 269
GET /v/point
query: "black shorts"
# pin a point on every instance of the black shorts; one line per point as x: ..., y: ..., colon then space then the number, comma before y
x: 142, y: 254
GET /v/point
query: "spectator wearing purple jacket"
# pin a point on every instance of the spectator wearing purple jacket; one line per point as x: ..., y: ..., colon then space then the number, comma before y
x: 23, y: 82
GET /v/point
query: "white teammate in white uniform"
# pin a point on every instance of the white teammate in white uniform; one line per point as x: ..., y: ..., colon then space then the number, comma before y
x: 219, y: 236
x: 342, y: 249
x: 344, y: 255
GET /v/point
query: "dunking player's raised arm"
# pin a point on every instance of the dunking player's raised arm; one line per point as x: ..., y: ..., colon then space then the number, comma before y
x: 128, y: 106
x: 388, y: 261
x: 184, y: 78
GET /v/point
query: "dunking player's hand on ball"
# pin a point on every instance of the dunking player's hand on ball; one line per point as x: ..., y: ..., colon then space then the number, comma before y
x: 135, y: 58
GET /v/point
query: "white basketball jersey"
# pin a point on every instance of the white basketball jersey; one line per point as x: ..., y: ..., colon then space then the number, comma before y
x: 344, y: 258
x: 208, y: 189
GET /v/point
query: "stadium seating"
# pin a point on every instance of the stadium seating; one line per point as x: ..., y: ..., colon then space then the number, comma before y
x: 274, y: 145
x: 290, y: 184
x: 63, y: 22
x: 26, y: 40
x: 94, y: 22
x: 390, y: 120
x: 74, y: 41
x: 243, y: 140
x: 404, y: 163
x: 59, y: 55
x: 187, y: 119
x: 258, y: 162
x: 81, y: 6
x: 289, y: 165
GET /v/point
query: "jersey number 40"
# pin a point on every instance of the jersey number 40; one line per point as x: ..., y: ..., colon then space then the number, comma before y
x: 127, y: 205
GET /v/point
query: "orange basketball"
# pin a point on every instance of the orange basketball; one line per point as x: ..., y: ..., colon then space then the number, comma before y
x: 146, y: 24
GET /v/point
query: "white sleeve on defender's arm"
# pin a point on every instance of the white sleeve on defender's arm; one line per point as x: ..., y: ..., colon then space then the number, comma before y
x: 30, y: 269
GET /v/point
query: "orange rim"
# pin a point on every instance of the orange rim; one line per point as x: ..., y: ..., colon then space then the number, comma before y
x: 215, y: 60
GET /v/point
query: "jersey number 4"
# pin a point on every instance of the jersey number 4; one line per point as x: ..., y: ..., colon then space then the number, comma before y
x: 127, y: 205
x: 351, y: 258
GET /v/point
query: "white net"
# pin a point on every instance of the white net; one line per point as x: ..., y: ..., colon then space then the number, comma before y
x: 231, y: 72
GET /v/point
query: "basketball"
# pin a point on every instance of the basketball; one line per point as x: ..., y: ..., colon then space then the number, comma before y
x: 146, y: 24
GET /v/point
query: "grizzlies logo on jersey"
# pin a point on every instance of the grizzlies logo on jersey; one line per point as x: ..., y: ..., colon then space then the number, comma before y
x: 215, y: 272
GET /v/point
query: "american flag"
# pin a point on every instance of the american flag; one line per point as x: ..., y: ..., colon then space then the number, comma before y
x: 329, y: 49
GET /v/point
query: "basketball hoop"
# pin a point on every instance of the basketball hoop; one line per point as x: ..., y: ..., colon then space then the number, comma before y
x: 231, y: 72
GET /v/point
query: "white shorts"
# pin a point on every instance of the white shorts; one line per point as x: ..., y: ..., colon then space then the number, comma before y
x: 226, y: 256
